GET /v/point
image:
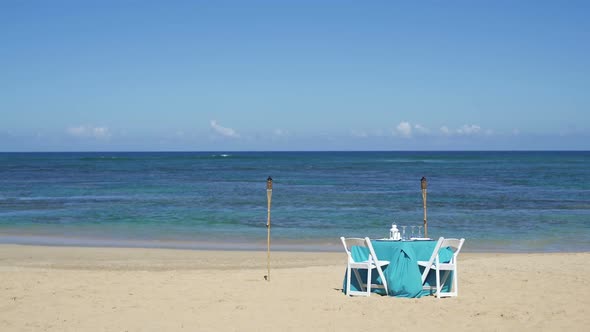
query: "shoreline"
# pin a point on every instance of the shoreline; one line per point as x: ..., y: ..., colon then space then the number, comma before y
x: 280, y: 245
x: 139, y: 289
x: 174, y: 258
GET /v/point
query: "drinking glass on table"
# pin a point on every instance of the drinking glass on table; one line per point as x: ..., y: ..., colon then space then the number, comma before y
x: 413, y: 228
x: 404, y: 236
x: 419, y: 231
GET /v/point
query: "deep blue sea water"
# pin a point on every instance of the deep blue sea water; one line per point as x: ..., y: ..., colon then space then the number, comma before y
x: 498, y: 201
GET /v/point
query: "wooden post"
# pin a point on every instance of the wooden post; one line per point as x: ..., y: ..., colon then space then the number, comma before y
x: 269, y: 199
x: 423, y: 186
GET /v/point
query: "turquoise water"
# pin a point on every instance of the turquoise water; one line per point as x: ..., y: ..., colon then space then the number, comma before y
x: 498, y: 201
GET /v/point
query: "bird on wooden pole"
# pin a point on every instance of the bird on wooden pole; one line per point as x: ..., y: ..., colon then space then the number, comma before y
x: 423, y: 186
x: 269, y: 199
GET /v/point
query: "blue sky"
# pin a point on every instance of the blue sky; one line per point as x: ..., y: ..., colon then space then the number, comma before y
x: 294, y: 75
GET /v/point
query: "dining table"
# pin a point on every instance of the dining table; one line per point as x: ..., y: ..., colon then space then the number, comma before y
x: 403, y: 274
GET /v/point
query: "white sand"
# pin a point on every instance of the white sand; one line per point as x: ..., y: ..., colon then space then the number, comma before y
x: 110, y: 289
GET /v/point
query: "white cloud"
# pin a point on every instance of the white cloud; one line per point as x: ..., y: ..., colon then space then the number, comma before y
x: 404, y: 129
x: 89, y: 131
x: 380, y: 133
x: 280, y: 132
x: 223, y: 131
x: 466, y: 130
x: 101, y: 132
x: 445, y: 130
x: 421, y: 129
x: 359, y: 133
x: 469, y: 130
x: 77, y: 131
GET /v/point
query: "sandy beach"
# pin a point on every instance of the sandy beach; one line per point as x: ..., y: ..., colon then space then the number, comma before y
x: 129, y: 289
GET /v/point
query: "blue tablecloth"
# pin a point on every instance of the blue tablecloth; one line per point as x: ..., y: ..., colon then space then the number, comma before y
x: 404, y: 276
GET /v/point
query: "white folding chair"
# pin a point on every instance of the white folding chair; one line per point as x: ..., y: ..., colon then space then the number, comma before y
x: 451, y: 266
x: 371, y: 263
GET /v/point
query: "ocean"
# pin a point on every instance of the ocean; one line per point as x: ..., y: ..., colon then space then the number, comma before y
x: 498, y: 201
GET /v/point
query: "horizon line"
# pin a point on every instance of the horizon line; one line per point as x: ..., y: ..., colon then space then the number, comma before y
x: 282, y: 151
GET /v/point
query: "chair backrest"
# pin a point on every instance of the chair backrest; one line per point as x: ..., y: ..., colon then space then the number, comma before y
x: 358, y: 242
x: 454, y: 244
x: 435, y: 251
